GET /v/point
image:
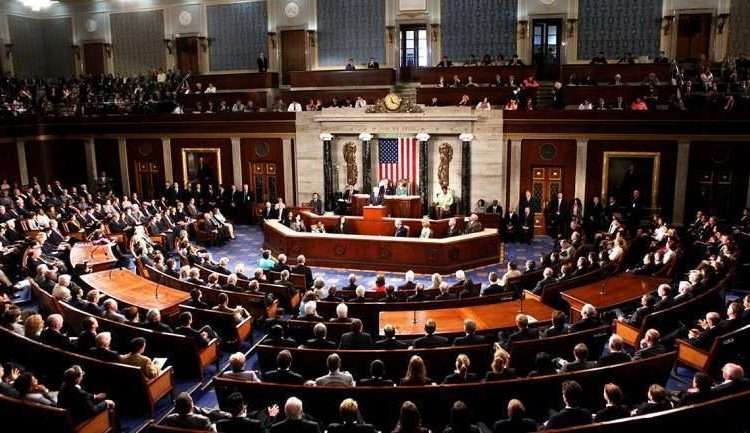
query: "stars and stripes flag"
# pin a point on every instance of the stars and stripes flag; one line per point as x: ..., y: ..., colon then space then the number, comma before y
x: 397, y: 159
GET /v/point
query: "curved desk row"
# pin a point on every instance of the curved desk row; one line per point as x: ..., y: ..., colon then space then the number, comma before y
x: 384, y: 253
x: 99, y: 257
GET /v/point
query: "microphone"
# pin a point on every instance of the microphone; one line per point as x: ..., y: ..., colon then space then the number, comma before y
x: 414, y: 317
x: 603, y: 288
x: 520, y: 301
x: 156, y: 290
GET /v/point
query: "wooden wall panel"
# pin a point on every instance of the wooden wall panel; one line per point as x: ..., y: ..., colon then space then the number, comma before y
x: 108, y: 160
x: 223, y: 144
x: 668, y: 151
x: 147, y: 150
x: 9, y: 163
x: 565, y: 158
x: 63, y: 160
x: 717, y: 179
x: 275, y: 154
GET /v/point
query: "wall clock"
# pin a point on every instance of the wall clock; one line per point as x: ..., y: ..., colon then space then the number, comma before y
x: 291, y: 9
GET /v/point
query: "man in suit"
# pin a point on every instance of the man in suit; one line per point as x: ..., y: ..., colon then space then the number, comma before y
x: 616, y: 353
x: 548, y: 277
x: 430, y: 339
x: 419, y: 294
x: 647, y: 307
x: 464, y: 286
x: 87, y: 338
x: 526, y: 226
x: 452, y: 228
x: 573, y: 414
x: 269, y: 212
x: 650, y: 345
x: 154, y: 323
x: 302, y: 269
x: 335, y: 376
x: 184, y: 416
x: 81, y: 405
x: 589, y: 319
x: 295, y: 421
x: 103, y: 349
x: 444, y: 63
x: 400, y: 230
x: 52, y: 334
x: 516, y: 421
x: 409, y: 284
x: 276, y: 338
x: 581, y: 362
x: 317, y: 204
x: 137, y: 359
x: 494, y: 208
x: 704, y: 337
x: 470, y: 335
x: 522, y: 332
x: 372, y: 64
x: 262, y: 62
x: 239, y: 421
x: 283, y: 373
x: 356, y: 338
x: 734, y: 381
x: 237, y: 369
x: 202, y: 336
x: 557, y: 215
x: 473, y: 226
x: 390, y: 341
x: 665, y: 297
x: 512, y: 229
x: 494, y: 287
x: 319, y: 340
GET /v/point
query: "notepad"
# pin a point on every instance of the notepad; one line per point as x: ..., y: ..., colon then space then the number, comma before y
x: 160, y: 362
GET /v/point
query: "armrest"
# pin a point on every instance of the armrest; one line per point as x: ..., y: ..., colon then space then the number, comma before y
x: 691, y: 355
x: 102, y: 422
x: 529, y: 295
x: 629, y: 333
x: 245, y: 328
x: 162, y: 384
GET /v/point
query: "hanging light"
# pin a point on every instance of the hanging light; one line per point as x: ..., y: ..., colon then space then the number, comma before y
x: 37, y: 5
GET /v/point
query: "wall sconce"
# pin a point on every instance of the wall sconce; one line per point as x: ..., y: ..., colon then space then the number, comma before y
x: 523, y: 27
x: 169, y: 44
x: 205, y: 43
x: 311, y: 37
x: 572, y: 26
x: 108, y: 49
x: 391, y: 34
x: 8, y: 50
x: 435, y: 29
x: 721, y: 21
x: 76, y: 51
x: 272, y: 39
x: 666, y: 23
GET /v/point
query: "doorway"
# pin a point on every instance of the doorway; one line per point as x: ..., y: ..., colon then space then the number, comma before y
x: 545, y: 47
x: 546, y: 182
x: 293, y: 53
x: 187, y: 54
x: 147, y: 178
x: 414, y: 50
x: 693, y: 36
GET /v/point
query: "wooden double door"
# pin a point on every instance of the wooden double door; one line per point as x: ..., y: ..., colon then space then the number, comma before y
x: 293, y: 53
x: 546, y: 182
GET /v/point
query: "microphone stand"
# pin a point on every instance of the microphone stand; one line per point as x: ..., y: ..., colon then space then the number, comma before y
x: 603, y: 288
x: 520, y: 301
x: 414, y: 317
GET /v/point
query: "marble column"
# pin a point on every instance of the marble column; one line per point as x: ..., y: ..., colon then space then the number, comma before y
x: 236, y: 162
x: 680, y: 181
x: 23, y: 168
x: 286, y: 147
x: 424, y: 171
x: 326, y: 138
x: 166, y: 149
x: 124, y: 175
x: 515, y: 173
x: 90, y: 152
x: 365, y: 138
x: 466, y: 139
x: 580, y: 182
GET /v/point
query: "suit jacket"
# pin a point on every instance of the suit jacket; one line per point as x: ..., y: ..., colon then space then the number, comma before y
x: 79, y: 403
x: 287, y: 377
x: 56, y: 339
x: 319, y: 343
x: 429, y: 341
x: 515, y: 425
x: 295, y: 426
x: 389, y: 343
x: 86, y: 341
x: 493, y: 289
x: 578, y: 365
x: 400, y: 232
x: 706, y: 338
x: 469, y: 339
x: 569, y: 417
x: 107, y: 355
x: 539, y: 287
x: 584, y: 324
x: 355, y: 340
x: 306, y: 271
x: 375, y: 381
x: 148, y: 368
x: 610, y: 413
x: 613, y: 358
x: 240, y: 424
x: 409, y: 285
x: 262, y: 64
x: 637, y: 317
x: 189, y: 421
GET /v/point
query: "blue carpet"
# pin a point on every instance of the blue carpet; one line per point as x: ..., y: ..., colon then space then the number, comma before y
x: 249, y: 241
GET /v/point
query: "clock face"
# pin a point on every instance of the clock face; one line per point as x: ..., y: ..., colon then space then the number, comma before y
x: 291, y: 9
x: 392, y: 101
x: 185, y: 18
x: 91, y: 25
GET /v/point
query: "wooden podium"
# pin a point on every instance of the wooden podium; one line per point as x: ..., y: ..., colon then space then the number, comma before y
x: 396, y: 206
x: 374, y: 213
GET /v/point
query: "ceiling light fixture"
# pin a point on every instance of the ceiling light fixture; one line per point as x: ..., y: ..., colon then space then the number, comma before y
x: 37, y: 5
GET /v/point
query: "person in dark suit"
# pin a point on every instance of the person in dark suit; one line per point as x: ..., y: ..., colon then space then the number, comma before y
x: 87, y: 338
x: 494, y: 208
x: 419, y: 294
x: 400, y: 230
x: 356, y: 338
x: 657, y: 401
x: 559, y: 325
x: 319, y: 341
x: 511, y: 226
x: 573, y: 414
x: 317, y: 204
x: 470, y: 335
x: 239, y: 422
x: 390, y: 341
x: 650, y: 345
x: 154, y: 323
x: 616, y: 354
x: 734, y: 381
x: 377, y: 375
x: 53, y: 336
x: 430, y: 339
x: 444, y: 63
x: 283, y: 373
x: 581, y: 362
x: 81, y: 405
x: 548, y: 277
x: 262, y: 62
x: 703, y: 338
x: 557, y: 215
x: 665, y: 300
x: 526, y: 226
x: 351, y: 420
x: 647, y: 307
x: 516, y: 421
x: 102, y: 349
x: 276, y: 338
x: 635, y: 211
x: 494, y: 287
x: 409, y: 283
x: 202, y: 336
x: 184, y: 416
x: 699, y: 392
x: 614, y: 408
x: 372, y: 64
x: 302, y: 269
x: 295, y: 421
x: 522, y: 332
x: 589, y: 319
x: 733, y: 320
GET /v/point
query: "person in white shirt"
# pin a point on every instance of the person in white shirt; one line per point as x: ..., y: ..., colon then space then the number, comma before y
x: 211, y: 88
x: 335, y: 376
x: 586, y: 105
x: 512, y: 272
x: 178, y: 110
x: 360, y: 102
x: 294, y: 107
x: 61, y: 291
x: 484, y: 104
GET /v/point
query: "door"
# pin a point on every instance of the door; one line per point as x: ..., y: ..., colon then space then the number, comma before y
x: 546, y: 182
x: 187, y: 54
x: 693, y: 36
x: 414, y: 51
x: 147, y: 179
x: 293, y: 57
x: 264, y: 183
x: 545, y: 47
x: 93, y: 58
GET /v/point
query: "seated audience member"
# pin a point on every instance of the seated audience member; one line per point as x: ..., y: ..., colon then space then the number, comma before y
x: 589, y: 319
x: 202, y: 336
x: 356, y: 338
x: 581, y: 362
x: 494, y: 286
x: 351, y: 420
x: 516, y: 421
x: 734, y: 381
x: 499, y: 369
x: 522, y: 332
x: 460, y: 420
x: 111, y: 312
x: 311, y: 312
x: 154, y: 323
x: 87, y: 338
x: 350, y: 66
x: 81, y: 405
x: 103, y: 350
x: 573, y: 414
x: 276, y: 338
x: 614, y: 409
x: 389, y: 341
x: 430, y: 339
x: 647, y: 307
x: 409, y: 283
x: 470, y: 335
x: 599, y: 59
x: 650, y: 345
x: 699, y: 392
x: 239, y: 422
x: 335, y: 376
x: 665, y: 300
x: 52, y: 334
x: 464, y: 286
x: 27, y: 387
x: 184, y: 416
x: 295, y: 421
x: 377, y: 375
x: 409, y: 420
x: 657, y: 401
x: 548, y: 277
x: 416, y: 373
x: 511, y: 273
x: 461, y: 374
x: 543, y: 365
x: 237, y: 369
x: 137, y: 359
x: 733, y: 320
x: 559, y: 325
x: 319, y: 340
x: 704, y: 337
x: 616, y: 353
x: 419, y: 294
x: 283, y: 373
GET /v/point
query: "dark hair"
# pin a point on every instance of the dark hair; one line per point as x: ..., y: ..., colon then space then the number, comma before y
x: 572, y: 392
x: 183, y: 404
x: 614, y: 393
x: 23, y: 383
x: 284, y: 359
x: 88, y: 323
x: 377, y: 368
x: 513, y: 265
x: 235, y: 403
x: 581, y: 351
x: 137, y: 344
x: 333, y: 362
x: 277, y: 331
x: 703, y: 382
x: 460, y: 417
x: 558, y: 319
x: 184, y: 318
x: 409, y: 419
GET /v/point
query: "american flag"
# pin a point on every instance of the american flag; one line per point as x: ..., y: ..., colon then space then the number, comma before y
x: 397, y: 159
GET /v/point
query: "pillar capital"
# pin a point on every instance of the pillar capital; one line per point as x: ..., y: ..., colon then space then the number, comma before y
x: 326, y: 136
x: 364, y: 136
x: 466, y: 136
x: 423, y: 136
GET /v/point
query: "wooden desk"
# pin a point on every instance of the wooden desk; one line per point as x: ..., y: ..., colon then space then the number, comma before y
x: 398, y: 206
x: 574, y: 95
x: 238, y: 80
x: 258, y: 98
x: 479, y: 74
x: 387, y: 253
x: 128, y: 288
x: 360, y: 77
x: 491, y: 317
x: 498, y: 96
x: 606, y: 73
x: 99, y: 257
x: 619, y: 290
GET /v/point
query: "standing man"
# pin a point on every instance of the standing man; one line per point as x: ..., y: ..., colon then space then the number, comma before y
x: 443, y: 202
x: 262, y: 62
x: 316, y: 204
x: 557, y: 215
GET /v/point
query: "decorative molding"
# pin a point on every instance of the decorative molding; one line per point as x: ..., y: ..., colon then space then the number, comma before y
x: 365, y: 136
x: 466, y: 137
x: 423, y: 136
x: 326, y: 137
